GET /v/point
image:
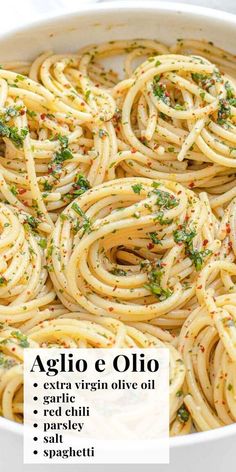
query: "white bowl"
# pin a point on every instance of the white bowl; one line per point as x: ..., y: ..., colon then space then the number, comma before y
x: 212, y: 450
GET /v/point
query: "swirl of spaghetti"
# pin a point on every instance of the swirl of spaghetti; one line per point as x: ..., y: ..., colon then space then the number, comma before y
x: 47, y: 158
x: 24, y: 283
x: 71, y: 140
x: 119, y: 228
x: 210, y: 371
x: 177, y: 119
x: 131, y: 249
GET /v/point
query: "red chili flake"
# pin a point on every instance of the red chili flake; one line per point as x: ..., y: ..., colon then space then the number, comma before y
x: 13, y: 349
x: 202, y: 348
x: 199, y: 286
x: 133, y: 150
x: 228, y: 229
x: 205, y: 242
x: 43, y: 116
x: 191, y: 185
x: 110, y: 308
x: 150, y: 245
x: 21, y: 191
x: 22, y: 112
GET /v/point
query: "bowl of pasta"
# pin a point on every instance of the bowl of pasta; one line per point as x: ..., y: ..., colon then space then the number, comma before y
x: 118, y: 206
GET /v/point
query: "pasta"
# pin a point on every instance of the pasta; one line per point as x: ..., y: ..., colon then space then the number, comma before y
x: 117, y: 215
x: 209, y: 334
x: 118, y: 250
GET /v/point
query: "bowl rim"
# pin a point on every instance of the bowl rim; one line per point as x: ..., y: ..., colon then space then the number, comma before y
x: 106, y: 7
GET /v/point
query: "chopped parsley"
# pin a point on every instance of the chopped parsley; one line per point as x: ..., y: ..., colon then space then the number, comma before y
x: 22, y: 338
x: 224, y: 111
x: 154, y: 238
x: 5, y: 363
x: 117, y: 271
x: 15, y: 135
x: 186, y: 236
x: 179, y: 107
x: 43, y: 243
x: 230, y: 91
x: 87, y: 93
x: 160, y: 217
x: 31, y: 113
x: 165, y: 200
x: 86, y: 221
x: 63, y: 154
x: 31, y: 221
x: 183, y: 414
x: 47, y: 187
x: 3, y: 281
x: 10, y: 112
x: 154, y: 275
x: 14, y: 190
x: 203, y: 80
x: 81, y: 185
x: 102, y: 133
x: 183, y: 235
x: 160, y: 91
x: 198, y: 257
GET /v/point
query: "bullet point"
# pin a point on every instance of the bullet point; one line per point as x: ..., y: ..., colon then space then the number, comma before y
x: 35, y: 398
x: 35, y: 452
x: 35, y: 384
x: 35, y: 439
x: 35, y: 412
x: 35, y: 425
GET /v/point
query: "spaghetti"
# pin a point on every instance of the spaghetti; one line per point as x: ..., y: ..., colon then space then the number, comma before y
x: 119, y: 249
x: 117, y: 215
